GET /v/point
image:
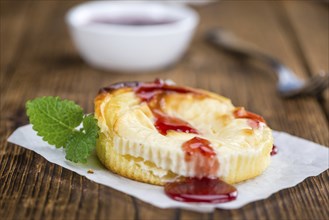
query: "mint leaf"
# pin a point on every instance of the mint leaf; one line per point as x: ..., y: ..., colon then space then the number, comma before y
x: 82, y: 143
x: 54, y: 119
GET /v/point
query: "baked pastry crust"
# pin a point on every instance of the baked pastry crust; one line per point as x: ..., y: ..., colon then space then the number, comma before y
x: 130, y: 144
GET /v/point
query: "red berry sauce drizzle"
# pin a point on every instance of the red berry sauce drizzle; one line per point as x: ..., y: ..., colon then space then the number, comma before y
x: 201, y: 188
x: 164, y: 123
x: 274, y: 150
x: 199, y: 151
x: 254, y: 121
x: 199, y: 155
x: 153, y: 93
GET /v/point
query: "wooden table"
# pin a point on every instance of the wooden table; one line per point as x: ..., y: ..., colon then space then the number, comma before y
x: 38, y: 59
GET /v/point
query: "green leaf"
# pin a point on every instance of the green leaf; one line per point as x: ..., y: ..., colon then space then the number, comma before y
x: 54, y: 119
x: 82, y: 143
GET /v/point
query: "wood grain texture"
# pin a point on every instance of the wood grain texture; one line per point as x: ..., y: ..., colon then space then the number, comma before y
x: 38, y: 59
x: 306, y: 21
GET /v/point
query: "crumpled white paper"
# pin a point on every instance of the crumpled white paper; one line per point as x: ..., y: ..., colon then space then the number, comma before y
x: 297, y: 159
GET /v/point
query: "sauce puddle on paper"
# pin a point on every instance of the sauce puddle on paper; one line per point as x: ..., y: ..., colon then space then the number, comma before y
x: 201, y: 190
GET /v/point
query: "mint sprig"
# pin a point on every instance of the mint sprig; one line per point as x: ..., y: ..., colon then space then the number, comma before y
x: 56, y: 120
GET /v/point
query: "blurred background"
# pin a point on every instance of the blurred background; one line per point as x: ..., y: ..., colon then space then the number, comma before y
x: 39, y: 54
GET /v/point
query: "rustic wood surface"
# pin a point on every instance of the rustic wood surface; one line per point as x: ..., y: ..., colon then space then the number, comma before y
x: 38, y: 59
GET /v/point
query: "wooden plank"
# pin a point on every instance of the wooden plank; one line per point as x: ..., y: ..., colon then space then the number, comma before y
x: 149, y: 212
x: 12, y: 29
x: 34, y: 188
x: 310, y: 23
x: 11, y: 32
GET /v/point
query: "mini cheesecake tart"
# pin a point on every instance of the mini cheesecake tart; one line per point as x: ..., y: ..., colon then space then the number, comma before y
x: 155, y: 132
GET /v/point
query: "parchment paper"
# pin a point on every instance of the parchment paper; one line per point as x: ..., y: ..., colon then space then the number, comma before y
x: 297, y: 159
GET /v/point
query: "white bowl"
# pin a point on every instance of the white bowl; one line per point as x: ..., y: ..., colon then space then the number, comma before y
x: 131, y: 36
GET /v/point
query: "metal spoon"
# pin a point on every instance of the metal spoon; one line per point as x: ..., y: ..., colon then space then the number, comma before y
x: 288, y: 85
